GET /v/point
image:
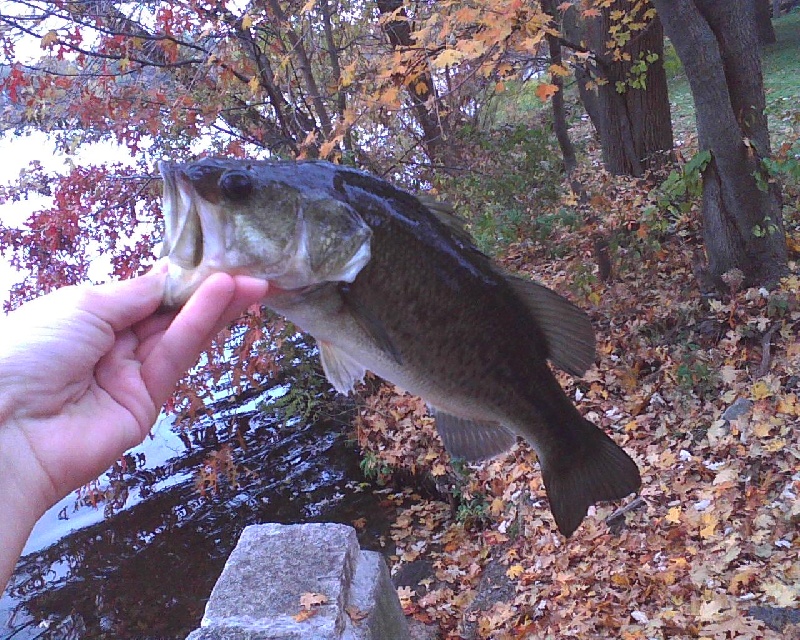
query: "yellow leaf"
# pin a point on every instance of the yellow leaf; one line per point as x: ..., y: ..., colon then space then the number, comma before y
x: 438, y: 470
x: 775, y: 445
x: 515, y: 571
x: 760, y: 390
x: 559, y: 70
x: 447, y: 58
x: 308, y: 6
x: 311, y: 138
x: 326, y: 148
x: 621, y: 580
x: 503, y: 69
x: 48, y: 39
x: 545, y: 91
x: 390, y: 97
x: 348, y: 75
x: 254, y: 84
x: 761, y: 429
x: 247, y: 21
x: 788, y: 404
x: 497, y: 507
x: 668, y: 577
x: 349, y: 117
x: 674, y: 515
x: 711, y: 525
x: 742, y: 579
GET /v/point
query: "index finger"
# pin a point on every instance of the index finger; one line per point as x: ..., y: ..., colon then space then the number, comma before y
x: 220, y: 299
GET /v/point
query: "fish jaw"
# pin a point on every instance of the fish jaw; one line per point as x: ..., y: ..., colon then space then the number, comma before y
x: 270, y: 229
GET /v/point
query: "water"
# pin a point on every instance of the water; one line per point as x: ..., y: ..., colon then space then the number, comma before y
x: 145, y: 569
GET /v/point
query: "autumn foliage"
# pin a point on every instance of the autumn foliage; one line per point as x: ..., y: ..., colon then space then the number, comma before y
x: 429, y: 95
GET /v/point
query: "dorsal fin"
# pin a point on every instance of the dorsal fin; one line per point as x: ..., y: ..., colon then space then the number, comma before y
x: 446, y: 214
x: 567, y: 329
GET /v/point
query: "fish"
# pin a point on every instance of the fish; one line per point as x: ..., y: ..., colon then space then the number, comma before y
x: 392, y: 283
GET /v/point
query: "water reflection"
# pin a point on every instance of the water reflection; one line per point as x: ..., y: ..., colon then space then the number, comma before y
x: 146, y: 570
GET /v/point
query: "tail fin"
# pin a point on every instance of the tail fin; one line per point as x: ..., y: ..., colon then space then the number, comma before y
x: 596, y: 470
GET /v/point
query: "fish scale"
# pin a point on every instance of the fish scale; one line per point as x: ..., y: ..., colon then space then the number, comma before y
x: 388, y: 283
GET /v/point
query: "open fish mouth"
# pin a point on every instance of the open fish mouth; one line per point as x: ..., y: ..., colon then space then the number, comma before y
x: 183, y: 232
x: 193, y: 239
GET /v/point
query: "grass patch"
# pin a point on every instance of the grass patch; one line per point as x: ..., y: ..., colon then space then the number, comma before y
x: 780, y: 62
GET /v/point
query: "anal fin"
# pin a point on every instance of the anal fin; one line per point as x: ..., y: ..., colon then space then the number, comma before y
x: 472, y: 440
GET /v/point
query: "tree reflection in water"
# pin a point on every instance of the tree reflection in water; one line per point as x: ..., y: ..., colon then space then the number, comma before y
x: 146, y: 571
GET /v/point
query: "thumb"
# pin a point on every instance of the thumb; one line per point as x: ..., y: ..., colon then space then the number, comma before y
x: 124, y: 303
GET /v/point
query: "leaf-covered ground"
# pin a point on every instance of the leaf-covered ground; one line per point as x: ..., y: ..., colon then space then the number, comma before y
x: 703, y: 391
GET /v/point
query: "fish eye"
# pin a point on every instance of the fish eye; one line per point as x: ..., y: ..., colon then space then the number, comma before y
x: 236, y: 185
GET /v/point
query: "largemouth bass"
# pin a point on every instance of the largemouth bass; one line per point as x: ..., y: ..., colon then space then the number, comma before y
x: 388, y: 283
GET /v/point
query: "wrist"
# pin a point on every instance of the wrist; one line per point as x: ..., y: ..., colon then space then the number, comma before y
x: 22, y: 500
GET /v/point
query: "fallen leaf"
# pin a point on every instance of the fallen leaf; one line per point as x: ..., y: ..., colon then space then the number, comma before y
x: 309, y: 600
x: 515, y: 571
x: 782, y: 594
x: 355, y: 613
x: 673, y: 515
x: 709, y: 610
x: 304, y: 615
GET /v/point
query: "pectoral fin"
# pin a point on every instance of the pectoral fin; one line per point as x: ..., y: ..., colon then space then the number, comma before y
x: 567, y: 329
x: 371, y: 325
x: 342, y: 371
x: 472, y: 440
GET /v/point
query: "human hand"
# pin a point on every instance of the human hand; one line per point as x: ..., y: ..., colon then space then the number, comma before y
x: 84, y: 372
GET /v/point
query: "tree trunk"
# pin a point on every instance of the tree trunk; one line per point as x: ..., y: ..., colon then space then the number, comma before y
x: 634, y: 117
x: 419, y: 85
x: 574, y: 28
x: 559, y: 118
x: 742, y: 224
x: 766, y: 33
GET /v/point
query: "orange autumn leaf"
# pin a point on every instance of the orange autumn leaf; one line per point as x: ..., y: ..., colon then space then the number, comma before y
x: 546, y: 91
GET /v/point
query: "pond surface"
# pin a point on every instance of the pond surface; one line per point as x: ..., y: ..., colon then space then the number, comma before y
x: 146, y: 567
